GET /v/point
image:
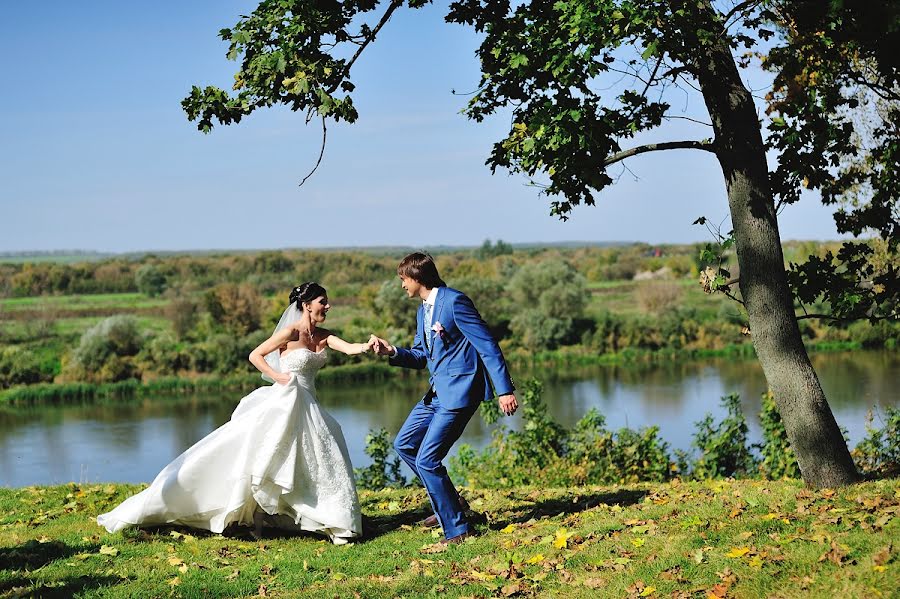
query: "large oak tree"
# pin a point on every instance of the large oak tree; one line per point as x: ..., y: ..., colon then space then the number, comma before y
x: 543, y: 59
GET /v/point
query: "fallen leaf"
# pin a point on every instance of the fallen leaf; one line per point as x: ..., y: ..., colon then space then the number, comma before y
x: 647, y: 592
x: 738, y: 552
x: 562, y: 538
x: 175, y: 582
x: 637, y: 542
x: 883, y: 556
x: 836, y: 554
x: 593, y: 583
x: 535, y: 559
x: 108, y: 550
x: 233, y: 575
x: 175, y: 561
x: 508, y: 529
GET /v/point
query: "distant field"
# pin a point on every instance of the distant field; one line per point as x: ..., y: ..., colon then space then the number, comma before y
x: 61, y: 258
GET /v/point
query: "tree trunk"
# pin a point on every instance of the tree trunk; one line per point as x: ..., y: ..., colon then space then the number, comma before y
x: 811, y: 428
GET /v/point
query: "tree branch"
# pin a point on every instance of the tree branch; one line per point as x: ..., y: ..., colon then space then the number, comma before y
x: 741, y: 6
x: 321, y: 154
x: 844, y: 319
x: 394, y: 5
x: 705, y: 144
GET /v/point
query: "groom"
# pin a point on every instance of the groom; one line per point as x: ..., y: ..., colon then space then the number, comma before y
x: 464, y: 361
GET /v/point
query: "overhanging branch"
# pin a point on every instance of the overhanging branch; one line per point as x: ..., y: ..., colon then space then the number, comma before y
x: 394, y: 5
x: 703, y: 144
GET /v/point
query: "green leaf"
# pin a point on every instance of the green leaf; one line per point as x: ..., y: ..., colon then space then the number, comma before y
x: 650, y: 50
x: 518, y: 60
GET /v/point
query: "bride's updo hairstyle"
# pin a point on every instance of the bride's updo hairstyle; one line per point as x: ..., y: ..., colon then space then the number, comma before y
x: 305, y: 293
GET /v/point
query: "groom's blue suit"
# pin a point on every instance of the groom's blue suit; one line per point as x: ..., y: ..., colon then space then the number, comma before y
x: 464, y: 362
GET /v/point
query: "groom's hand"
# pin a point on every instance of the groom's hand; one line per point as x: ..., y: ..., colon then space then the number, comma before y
x: 381, y: 347
x: 508, y: 404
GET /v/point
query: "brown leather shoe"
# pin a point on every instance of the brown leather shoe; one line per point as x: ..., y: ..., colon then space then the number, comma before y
x: 432, y: 520
x: 458, y: 538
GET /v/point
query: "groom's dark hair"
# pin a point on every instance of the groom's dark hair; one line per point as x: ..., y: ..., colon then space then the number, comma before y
x: 420, y: 267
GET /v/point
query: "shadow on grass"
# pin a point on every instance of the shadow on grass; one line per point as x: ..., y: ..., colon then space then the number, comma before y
x: 62, y: 589
x: 521, y: 510
x: 565, y: 505
x: 32, y: 555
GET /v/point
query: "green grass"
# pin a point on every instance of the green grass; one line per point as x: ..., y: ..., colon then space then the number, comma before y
x: 114, y: 301
x: 743, y: 538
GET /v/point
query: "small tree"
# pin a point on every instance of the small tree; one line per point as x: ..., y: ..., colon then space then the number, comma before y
x: 237, y: 307
x: 547, y: 297
x: 150, y: 280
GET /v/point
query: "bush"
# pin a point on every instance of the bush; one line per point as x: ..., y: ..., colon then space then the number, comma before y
x: 105, y: 350
x: 150, y: 280
x: 236, y: 307
x: 382, y: 472
x: 778, y: 459
x: 19, y: 366
x: 548, y: 297
x: 544, y: 453
x: 182, y: 313
x: 879, y: 453
x: 723, y: 446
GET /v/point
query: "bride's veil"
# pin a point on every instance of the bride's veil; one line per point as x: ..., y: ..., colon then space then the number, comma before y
x: 291, y: 315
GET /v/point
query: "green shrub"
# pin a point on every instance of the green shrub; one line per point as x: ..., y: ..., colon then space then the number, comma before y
x: 723, y: 446
x: 544, y: 453
x: 879, y: 453
x: 19, y: 366
x: 150, y: 280
x: 383, y: 472
x: 547, y: 298
x: 105, y: 350
x: 778, y: 459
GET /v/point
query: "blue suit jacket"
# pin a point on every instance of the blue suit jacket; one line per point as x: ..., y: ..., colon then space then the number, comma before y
x: 464, y: 360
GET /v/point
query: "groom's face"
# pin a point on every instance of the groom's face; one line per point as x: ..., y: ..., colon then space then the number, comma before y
x: 411, y: 286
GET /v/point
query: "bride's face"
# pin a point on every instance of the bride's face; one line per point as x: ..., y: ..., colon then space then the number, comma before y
x: 318, y: 309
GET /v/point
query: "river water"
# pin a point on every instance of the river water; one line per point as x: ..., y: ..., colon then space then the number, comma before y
x: 132, y: 441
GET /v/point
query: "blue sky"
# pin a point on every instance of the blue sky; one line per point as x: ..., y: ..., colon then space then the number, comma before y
x: 97, y: 154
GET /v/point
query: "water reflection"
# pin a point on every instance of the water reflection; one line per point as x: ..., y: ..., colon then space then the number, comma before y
x: 133, y: 441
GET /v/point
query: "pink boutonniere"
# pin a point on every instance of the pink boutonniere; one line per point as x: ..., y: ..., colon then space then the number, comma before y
x: 438, y: 328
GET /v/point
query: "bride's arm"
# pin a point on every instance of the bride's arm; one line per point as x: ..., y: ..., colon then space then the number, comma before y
x: 258, y: 356
x: 336, y: 343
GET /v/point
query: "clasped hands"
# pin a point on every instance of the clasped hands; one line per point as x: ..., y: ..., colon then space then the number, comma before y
x: 380, y: 346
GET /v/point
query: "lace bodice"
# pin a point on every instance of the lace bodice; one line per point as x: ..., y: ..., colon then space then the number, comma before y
x: 304, y: 362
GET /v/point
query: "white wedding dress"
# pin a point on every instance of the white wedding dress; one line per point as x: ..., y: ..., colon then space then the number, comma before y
x: 280, y: 451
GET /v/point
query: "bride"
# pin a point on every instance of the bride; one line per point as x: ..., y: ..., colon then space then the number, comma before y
x: 281, y: 454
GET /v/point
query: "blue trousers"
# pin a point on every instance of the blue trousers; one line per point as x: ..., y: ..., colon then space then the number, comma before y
x: 423, y: 442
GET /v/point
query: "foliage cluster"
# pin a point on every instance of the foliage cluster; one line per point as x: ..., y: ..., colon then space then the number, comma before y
x: 543, y: 453
x: 210, y: 310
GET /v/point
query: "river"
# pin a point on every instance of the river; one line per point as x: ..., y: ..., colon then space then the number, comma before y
x: 132, y: 441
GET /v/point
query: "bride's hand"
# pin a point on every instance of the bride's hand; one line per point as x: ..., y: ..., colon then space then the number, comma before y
x: 282, y: 378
